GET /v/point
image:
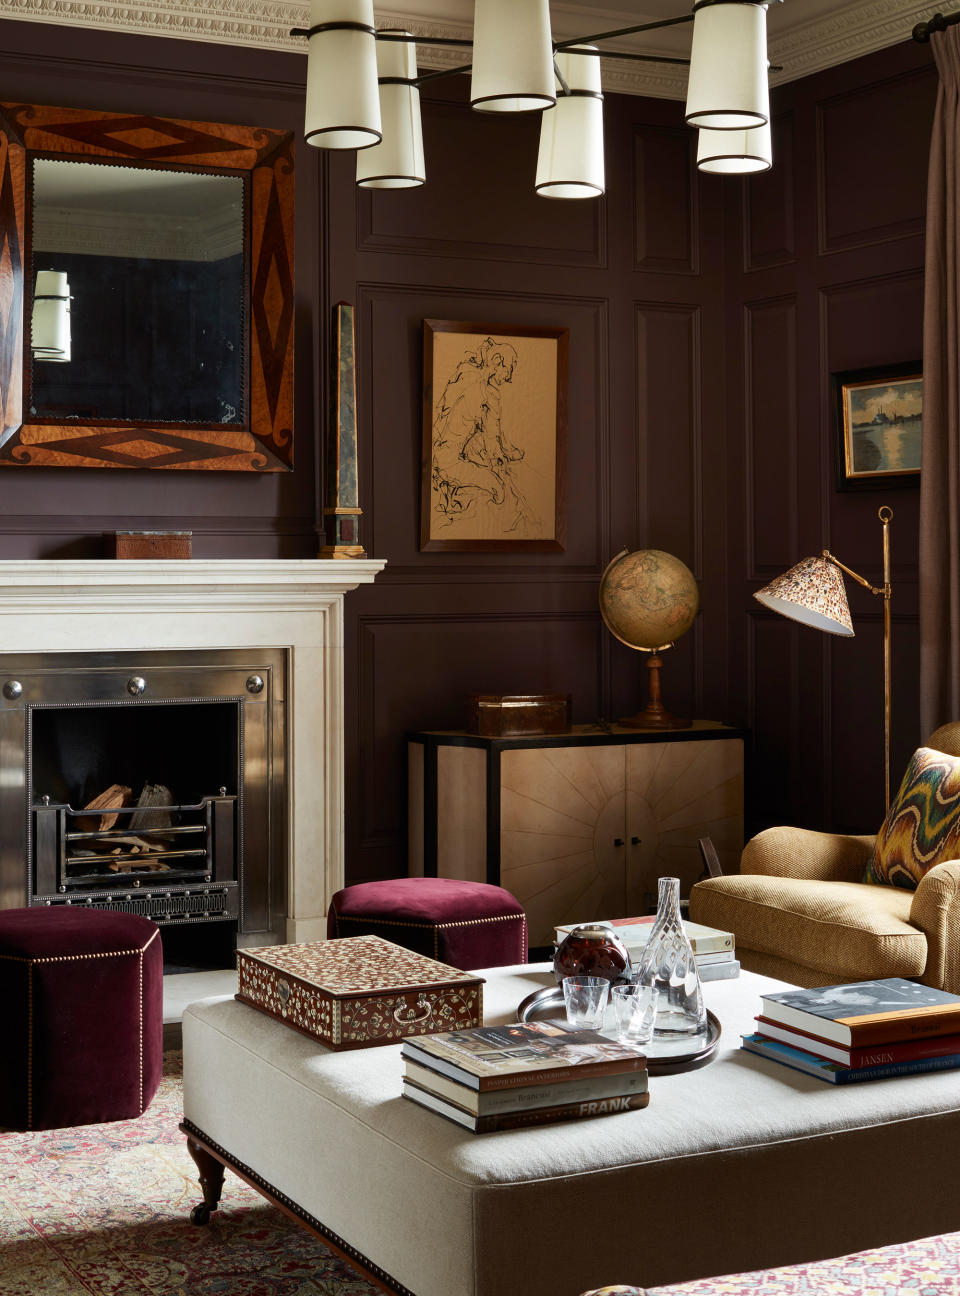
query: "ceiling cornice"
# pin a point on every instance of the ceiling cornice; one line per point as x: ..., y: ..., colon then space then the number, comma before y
x: 835, y: 36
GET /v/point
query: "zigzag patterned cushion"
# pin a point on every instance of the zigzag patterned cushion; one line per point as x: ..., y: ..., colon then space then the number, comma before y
x: 922, y: 827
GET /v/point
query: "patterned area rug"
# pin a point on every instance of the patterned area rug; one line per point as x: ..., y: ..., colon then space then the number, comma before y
x: 103, y: 1210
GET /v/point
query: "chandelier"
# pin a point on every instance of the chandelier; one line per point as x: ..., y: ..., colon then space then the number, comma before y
x: 363, y: 88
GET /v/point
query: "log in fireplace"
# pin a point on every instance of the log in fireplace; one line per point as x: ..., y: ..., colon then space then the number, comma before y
x: 149, y: 782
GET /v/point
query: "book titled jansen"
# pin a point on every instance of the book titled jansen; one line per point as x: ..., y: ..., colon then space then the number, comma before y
x: 925, y: 1046
x: 501, y: 1057
x: 867, y: 1012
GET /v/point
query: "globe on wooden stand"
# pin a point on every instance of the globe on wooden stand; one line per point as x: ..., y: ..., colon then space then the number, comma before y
x: 648, y: 599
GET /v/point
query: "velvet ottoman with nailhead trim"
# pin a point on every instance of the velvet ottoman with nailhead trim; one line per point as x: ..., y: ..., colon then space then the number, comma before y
x: 465, y: 924
x: 82, y: 996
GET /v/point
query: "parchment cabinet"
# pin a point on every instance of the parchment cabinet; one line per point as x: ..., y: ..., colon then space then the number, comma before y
x: 578, y: 825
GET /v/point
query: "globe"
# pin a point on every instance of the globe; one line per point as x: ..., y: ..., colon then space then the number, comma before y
x: 648, y: 599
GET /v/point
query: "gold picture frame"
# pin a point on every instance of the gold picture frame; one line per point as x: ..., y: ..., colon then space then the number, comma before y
x: 493, y: 464
x: 879, y: 417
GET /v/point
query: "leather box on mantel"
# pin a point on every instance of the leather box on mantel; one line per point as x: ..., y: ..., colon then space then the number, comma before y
x: 358, y: 991
x: 517, y: 715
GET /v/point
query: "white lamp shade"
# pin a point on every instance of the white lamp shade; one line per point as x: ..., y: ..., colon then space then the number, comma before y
x: 727, y: 89
x: 512, y: 56
x: 723, y: 152
x: 343, y: 106
x: 812, y: 593
x: 397, y: 161
x: 570, y: 161
x: 50, y: 322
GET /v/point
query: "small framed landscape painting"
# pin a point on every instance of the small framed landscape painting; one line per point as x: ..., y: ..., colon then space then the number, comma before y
x: 494, y: 437
x: 879, y: 416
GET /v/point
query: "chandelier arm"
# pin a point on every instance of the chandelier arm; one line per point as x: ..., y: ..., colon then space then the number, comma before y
x: 442, y: 72
x: 624, y: 31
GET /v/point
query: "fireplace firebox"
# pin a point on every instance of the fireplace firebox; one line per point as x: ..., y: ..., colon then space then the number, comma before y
x: 148, y: 782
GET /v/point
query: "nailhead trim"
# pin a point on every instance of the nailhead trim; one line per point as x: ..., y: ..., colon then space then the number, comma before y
x: 304, y: 1216
x: 30, y: 1047
x: 73, y: 958
x: 436, y: 928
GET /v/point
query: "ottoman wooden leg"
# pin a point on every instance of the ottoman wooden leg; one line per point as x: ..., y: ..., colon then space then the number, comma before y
x: 211, y: 1181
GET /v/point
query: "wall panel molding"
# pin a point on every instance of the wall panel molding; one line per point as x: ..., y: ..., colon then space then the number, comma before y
x: 666, y: 198
x: 771, y: 450
x: 877, y: 161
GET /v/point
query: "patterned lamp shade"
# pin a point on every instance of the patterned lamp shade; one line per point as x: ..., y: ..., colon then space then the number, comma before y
x: 812, y: 593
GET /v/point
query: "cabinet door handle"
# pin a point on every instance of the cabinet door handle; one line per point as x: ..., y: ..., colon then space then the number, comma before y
x: 618, y: 841
x: 634, y: 841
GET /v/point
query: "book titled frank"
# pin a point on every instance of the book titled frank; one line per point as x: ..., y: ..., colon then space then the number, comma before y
x: 503, y: 1057
x: 525, y: 1118
x: 867, y: 1012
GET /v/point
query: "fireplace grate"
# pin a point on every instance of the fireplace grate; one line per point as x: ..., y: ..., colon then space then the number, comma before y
x: 218, y: 902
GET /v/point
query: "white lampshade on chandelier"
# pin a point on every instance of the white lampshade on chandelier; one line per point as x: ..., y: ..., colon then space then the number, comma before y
x: 50, y: 322
x: 724, y: 152
x: 727, y: 88
x: 512, y: 56
x: 343, y: 103
x: 570, y: 162
x: 397, y: 161
x: 363, y: 88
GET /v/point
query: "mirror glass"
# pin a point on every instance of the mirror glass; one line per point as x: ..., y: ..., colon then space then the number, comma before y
x: 139, y: 280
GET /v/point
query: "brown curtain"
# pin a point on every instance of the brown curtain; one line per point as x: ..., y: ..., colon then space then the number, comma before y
x: 939, y: 582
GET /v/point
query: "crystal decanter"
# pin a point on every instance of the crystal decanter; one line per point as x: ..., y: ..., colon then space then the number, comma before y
x: 668, y: 963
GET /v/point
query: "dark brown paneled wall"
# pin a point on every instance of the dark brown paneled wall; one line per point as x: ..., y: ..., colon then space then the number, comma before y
x: 705, y: 316
x: 824, y: 274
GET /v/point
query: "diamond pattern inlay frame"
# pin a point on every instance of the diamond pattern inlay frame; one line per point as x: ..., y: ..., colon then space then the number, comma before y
x: 264, y: 442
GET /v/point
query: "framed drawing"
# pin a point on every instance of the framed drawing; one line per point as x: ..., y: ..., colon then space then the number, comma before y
x: 494, y: 437
x: 878, y: 414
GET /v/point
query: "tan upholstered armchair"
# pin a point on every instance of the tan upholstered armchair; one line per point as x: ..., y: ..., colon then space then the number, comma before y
x: 800, y: 912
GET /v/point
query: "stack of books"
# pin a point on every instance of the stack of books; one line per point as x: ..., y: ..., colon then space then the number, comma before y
x: 506, y: 1077
x: 868, y: 1030
x: 713, y: 949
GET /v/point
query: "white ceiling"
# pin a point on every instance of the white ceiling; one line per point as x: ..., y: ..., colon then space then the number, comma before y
x: 805, y: 35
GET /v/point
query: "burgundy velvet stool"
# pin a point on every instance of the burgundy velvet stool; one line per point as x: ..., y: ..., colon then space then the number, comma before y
x: 465, y: 924
x: 82, y: 997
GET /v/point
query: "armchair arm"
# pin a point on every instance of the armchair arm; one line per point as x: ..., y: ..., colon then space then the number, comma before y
x: 936, y: 911
x: 802, y: 853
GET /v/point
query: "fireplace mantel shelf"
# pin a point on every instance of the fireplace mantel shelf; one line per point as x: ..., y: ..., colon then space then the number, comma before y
x: 133, y: 607
x: 227, y: 584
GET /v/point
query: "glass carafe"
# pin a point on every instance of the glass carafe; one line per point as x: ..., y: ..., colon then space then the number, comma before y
x: 668, y: 963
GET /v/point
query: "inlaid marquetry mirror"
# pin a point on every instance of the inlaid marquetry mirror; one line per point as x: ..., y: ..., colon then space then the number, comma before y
x: 146, y: 292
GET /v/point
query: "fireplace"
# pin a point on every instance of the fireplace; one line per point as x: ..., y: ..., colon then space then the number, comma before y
x: 182, y: 755
x: 284, y: 619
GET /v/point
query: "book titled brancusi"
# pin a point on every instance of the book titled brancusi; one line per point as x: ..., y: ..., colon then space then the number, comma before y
x: 524, y: 1117
x: 503, y: 1057
x: 867, y: 1012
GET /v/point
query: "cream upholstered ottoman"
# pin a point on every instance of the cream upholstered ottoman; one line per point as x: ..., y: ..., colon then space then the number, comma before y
x: 740, y: 1165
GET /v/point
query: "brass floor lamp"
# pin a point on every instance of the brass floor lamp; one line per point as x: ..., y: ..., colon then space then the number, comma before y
x: 813, y: 593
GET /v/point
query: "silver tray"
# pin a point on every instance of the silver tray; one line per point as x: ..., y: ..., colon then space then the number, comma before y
x: 664, y: 1057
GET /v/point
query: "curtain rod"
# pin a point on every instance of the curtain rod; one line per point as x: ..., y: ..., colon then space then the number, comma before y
x: 939, y: 22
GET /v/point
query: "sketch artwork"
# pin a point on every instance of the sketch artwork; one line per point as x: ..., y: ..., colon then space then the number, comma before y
x: 493, y: 461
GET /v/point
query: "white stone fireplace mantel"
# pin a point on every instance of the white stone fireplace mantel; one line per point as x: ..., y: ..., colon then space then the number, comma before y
x: 294, y: 605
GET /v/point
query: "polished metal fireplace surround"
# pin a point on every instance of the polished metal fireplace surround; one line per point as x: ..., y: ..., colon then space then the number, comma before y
x: 207, y: 725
